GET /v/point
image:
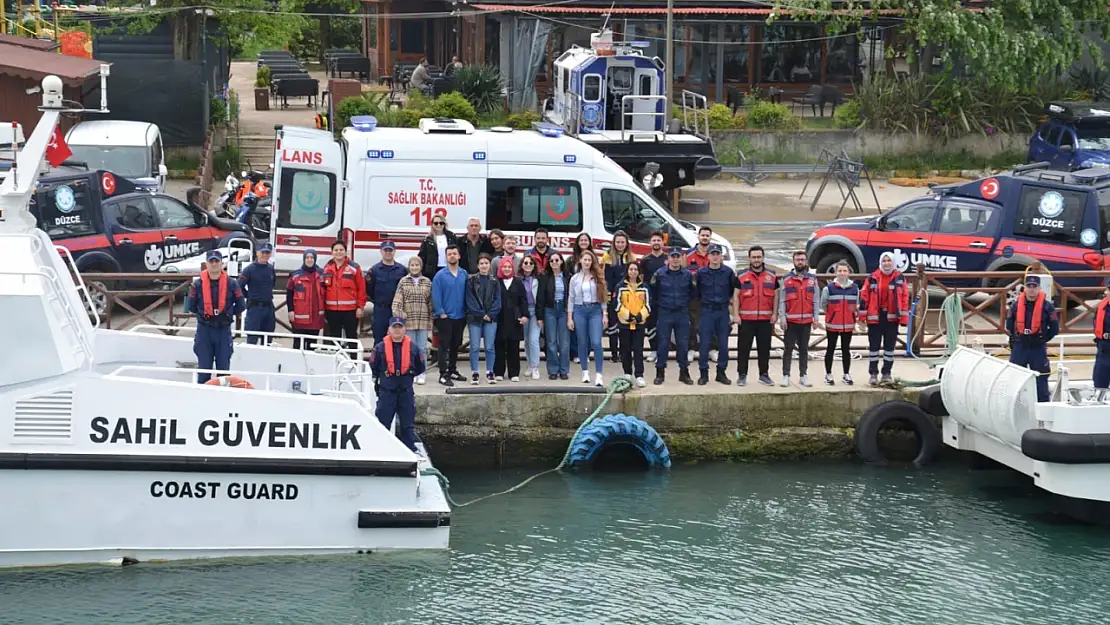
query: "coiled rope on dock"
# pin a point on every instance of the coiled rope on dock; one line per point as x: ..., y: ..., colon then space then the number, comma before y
x: 620, y: 384
x: 951, y: 320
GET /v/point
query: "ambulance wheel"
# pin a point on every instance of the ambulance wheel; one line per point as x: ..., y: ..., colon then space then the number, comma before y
x: 897, y: 412
x: 827, y: 262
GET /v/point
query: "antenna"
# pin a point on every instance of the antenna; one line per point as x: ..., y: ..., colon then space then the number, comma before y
x: 608, y: 15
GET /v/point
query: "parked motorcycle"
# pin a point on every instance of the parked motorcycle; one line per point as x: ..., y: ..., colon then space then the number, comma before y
x: 225, y: 203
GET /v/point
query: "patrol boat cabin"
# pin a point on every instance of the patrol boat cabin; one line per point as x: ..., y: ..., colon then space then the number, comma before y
x: 111, y: 452
x: 613, y: 98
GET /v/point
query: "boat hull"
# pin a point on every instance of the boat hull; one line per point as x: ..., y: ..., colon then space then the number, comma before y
x: 84, y: 517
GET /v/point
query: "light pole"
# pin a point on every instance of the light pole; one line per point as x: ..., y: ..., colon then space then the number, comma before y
x: 669, y: 74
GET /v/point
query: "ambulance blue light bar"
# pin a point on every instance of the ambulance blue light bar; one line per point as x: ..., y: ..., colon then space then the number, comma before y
x: 639, y: 44
x: 364, y: 123
x: 548, y: 129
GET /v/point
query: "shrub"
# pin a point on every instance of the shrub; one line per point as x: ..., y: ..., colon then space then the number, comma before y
x: 217, y: 112
x: 400, y: 118
x: 771, y: 116
x: 523, y: 120
x: 740, y: 121
x: 416, y: 100
x: 353, y: 107
x: 480, y: 85
x: 721, y: 118
x: 452, y: 105
x: 262, y: 77
x: 847, y: 115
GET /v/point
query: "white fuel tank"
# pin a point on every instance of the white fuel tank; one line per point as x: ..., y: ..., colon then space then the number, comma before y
x: 990, y: 395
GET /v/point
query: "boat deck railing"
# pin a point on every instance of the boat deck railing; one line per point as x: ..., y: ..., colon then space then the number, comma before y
x: 695, y: 114
x: 324, y: 344
x: 659, y: 117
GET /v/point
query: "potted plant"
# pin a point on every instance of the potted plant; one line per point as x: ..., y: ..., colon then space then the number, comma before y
x: 262, y: 89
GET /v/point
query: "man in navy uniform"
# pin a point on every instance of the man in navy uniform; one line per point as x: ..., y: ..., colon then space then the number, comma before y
x: 216, y: 300
x: 257, y: 282
x: 1032, y: 323
x: 395, y: 362
x: 381, y: 284
x: 672, y: 288
x: 714, y: 284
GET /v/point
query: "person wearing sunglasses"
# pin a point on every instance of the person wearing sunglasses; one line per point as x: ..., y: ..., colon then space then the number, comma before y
x: 433, y: 249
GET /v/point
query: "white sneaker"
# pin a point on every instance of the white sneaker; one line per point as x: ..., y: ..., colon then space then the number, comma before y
x: 692, y: 356
x: 576, y: 360
x: 420, y: 379
x: 515, y: 378
x: 640, y: 382
x: 535, y: 373
x: 599, y: 381
x: 804, y: 381
x: 500, y: 378
x: 785, y: 381
x: 650, y: 357
x: 585, y: 377
x: 713, y: 355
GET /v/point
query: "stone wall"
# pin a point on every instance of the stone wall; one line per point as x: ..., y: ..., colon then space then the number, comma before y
x: 867, y: 143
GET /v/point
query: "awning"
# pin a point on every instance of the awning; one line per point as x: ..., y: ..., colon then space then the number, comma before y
x: 714, y: 10
x: 37, y: 64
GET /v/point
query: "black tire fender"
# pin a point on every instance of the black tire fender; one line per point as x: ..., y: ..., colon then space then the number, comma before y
x: 931, y: 402
x: 881, y: 415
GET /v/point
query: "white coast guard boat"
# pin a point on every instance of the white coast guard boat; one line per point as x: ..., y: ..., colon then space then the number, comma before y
x: 111, y: 452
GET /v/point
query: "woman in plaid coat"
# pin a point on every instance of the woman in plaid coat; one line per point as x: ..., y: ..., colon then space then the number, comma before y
x: 413, y: 302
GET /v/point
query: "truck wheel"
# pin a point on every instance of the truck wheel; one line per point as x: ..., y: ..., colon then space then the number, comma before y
x: 827, y: 262
x: 98, y: 299
x: 1014, y: 292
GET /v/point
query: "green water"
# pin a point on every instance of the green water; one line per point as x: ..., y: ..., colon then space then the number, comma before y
x: 780, y: 543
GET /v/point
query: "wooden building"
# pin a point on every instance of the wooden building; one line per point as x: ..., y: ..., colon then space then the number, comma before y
x: 25, y: 62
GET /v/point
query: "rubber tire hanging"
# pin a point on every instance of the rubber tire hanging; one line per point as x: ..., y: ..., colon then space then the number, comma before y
x: 881, y: 415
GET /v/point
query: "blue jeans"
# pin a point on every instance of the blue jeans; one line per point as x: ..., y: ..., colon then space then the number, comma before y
x: 587, y: 323
x: 532, y: 339
x: 485, y: 331
x: 420, y: 340
x: 558, y: 339
x: 678, y: 323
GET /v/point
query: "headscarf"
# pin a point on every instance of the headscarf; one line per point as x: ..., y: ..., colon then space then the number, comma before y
x: 886, y: 299
x: 309, y: 252
x: 505, y: 268
x: 885, y: 255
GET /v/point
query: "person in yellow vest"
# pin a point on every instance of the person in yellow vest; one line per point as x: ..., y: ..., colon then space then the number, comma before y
x: 1102, y: 342
x: 395, y: 363
x: 633, y: 307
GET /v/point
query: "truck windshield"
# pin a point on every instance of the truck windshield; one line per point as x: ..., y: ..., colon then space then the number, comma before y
x: 126, y: 161
x: 1093, y: 137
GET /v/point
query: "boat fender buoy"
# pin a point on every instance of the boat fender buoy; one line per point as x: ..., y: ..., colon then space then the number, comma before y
x: 931, y: 402
x: 881, y: 415
x: 618, y: 429
x: 230, y: 380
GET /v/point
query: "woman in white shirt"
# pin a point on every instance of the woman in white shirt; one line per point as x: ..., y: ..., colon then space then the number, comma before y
x: 433, y: 249
x: 587, y: 314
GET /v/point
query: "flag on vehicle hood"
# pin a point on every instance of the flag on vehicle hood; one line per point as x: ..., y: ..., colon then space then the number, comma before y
x: 57, y: 151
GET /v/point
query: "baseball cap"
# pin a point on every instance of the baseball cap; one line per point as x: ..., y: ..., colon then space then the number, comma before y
x: 388, y: 245
x: 715, y: 249
x: 675, y: 251
x: 396, y: 321
x: 1033, y: 280
x: 265, y: 247
x: 214, y: 255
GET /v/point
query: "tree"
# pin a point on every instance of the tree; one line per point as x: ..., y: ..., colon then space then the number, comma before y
x: 1007, y: 42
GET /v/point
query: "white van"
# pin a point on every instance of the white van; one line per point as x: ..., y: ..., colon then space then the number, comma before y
x: 132, y: 150
x: 389, y: 183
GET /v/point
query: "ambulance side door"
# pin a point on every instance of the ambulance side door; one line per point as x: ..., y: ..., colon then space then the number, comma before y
x: 308, y: 195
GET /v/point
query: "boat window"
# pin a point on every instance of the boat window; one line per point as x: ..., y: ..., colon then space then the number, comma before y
x: 591, y: 88
x: 306, y: 199
x: 67, y: 213
x: 622, y: 79
x: 530, y: 204
x: 645, y: 85
x: 622, y: 209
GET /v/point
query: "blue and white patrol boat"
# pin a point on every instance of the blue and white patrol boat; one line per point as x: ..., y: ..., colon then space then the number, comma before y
x: 110, y: 452
x: 612, y: 97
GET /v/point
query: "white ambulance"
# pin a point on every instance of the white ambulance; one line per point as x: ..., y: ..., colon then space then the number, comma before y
x: 389, y: 183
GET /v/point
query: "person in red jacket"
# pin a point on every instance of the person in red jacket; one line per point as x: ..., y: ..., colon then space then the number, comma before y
x: 884, y: 304
x: 304, y: 299
x: 756, y: 307
x: 344, y: 296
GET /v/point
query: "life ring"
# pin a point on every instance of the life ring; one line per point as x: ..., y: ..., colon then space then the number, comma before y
x: 881, y: 415
x: 230, y: 380
x: 618, y: 429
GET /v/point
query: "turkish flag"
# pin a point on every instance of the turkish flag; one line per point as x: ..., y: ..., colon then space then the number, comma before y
x: 57, y: 151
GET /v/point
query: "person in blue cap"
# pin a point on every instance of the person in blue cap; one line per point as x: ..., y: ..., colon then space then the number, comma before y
x: 216, y: 300
x: 672, y: 288
x: 714, y: 285
x: 1032, y: 323
x: 395, y: 363
x: 381, y: 285
x: 257, y: 282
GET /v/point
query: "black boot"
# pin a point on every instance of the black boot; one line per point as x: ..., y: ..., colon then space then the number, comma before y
x: 659, y: 376
x: 703, y: 379
x: 684, y: 377
x: 722, y: 378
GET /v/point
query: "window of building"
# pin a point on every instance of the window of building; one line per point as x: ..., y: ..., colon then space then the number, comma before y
x: 958, y: 218
x: 843, y: 66
x: 65, y: 211
x: 529, y: 204
x: 791, y: 53
x: 622, y: 209
x: 306, y: 199
x: 703, y: 54
x: 736, y: 38
x: 412, y: 36
x: 681, y: 43
x: 1052, y: 214
x: 654, y: 33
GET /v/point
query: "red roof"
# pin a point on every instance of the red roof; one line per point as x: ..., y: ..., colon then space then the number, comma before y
x: 760, y: 11
x: 34, y: 64
x: 27, y: 42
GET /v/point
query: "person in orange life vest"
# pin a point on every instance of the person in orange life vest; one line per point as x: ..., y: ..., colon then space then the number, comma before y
x: 216, y: 300
x: 756, y: 312
x: 344, y: 296
x: 799, y: 302
x: 395, y: 363
x: 1032, y: 323
x: 840, y: 298
x: 697, y: 257
x: 884, y: 304
x: 1102, y: 342
x: 304, y: 299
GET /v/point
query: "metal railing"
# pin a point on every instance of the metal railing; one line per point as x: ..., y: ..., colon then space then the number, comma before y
x: 628, y: 103
x: 695, y: 109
